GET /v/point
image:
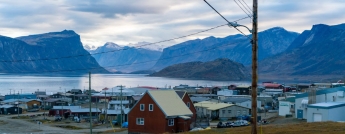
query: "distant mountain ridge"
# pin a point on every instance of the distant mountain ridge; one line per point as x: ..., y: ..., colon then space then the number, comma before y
x: 219, y: 69
x: 125, y: 58
x: 234, y: 47
x: 51, y: 46
x: 319, y: 51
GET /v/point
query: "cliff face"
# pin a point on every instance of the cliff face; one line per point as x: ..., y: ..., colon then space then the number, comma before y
x: 50, y: 46
x: 219, y: 69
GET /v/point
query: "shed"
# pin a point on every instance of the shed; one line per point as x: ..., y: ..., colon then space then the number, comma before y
x: 10, y: 109
x: 326, y: 111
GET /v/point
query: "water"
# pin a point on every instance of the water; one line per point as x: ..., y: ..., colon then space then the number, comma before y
x: 32, y: 83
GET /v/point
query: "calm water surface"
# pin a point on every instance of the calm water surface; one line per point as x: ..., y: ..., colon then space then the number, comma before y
x: 31, y: 83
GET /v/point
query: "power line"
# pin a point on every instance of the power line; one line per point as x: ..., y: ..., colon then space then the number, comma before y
x: 225, y: 19
x: 81, y: 55
x: 130, y: 63
x: 247, y: 6
x: 249, y: 13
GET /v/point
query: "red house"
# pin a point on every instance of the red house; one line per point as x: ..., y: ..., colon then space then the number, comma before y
x: 186, y: 99
x: 159, y: 111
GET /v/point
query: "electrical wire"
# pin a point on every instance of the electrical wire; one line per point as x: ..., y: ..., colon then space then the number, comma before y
x: 226, y: 19
x: 70, y: 70
x: 245, y: 7
x: 242, y: 9
x: 81, y: 55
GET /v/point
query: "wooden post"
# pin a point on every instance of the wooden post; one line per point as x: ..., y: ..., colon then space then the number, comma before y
x: 254, y: 66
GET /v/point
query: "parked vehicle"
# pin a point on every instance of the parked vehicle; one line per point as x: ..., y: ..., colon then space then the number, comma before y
x: 58, y: 118
x: 224, y: 125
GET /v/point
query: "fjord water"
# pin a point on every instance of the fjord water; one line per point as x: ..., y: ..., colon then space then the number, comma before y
x: 32, y: 83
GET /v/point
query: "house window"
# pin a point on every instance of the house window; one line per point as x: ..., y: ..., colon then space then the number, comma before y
x: 171, y: 122
x: 223, y: 111
x: 229, y: 111
x: 188, y: 104
x: 142, y: 107
x: 150, y: 107
x: 244, y: 112
x: 140, y: 121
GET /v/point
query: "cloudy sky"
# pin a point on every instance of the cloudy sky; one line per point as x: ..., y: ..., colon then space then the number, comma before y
x: 131, y: 21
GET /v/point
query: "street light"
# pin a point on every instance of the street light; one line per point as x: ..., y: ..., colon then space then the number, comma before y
x: 234, y: 24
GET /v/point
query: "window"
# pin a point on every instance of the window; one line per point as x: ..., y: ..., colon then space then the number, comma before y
x: 238, y: 112
x: 140, y: 121
x: 229, y: 111
x: 223, y: 111
x: 244, y: 112
x: 170, y: 122
x: 188, y: 104
x: 142, y: 107
x: 150, y: 107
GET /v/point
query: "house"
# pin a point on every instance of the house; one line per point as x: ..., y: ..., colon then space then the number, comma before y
x: 219, y: 110
x: 83, y: 112
x: 49, y: 103
x: 59, y: 110
x: 243, y: 89
x: 286, y: 106
x: 244, y: 102
x: 189, y: 103
x: 80, y: 98
x: 20, y: 96
x: 43, y: 97
x: 76, y: 91
x: 159, y: 111
x: 31, y: 103
x: 116, y: 115
x: 116, y: 93
x: 10, y: 109
x: 273, y: 86
x: 134, y: 99
x: 56, y: 95
x: 117, y: 104
x: 326, y: 111
x: 317, y: 96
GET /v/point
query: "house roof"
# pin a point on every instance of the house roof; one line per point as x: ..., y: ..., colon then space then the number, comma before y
x: 199, y: 99
x: 84, y: 110
x: 180, y: 93
x: 289, y: 99
x: 119, y: 102
x: 169, y: 102
x: 118, y: 111
x: 273, y: 85
x: 137, y: 97
x: 327, y: 105
x: 66, y: 107
x: 52, y: 100
x: 6, y: 106
x: 203, y: 95
x: 20, y: 100
x: 212, y: 105
x: 236, y: 100
x: 322, y: 91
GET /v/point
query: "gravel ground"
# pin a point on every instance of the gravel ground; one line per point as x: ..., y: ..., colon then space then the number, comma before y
x: 24, y: 126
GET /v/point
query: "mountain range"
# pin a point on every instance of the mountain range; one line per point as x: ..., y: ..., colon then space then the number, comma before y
x: 58, y: 52
x: 234, y: 47
x: 116, y: 58
x: 318, y: 52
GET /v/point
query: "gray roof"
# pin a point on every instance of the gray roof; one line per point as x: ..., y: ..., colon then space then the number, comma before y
x: 236, y: 100
x: 327, y: 105
x: 66, y: 107
x: 180, y: 93
x: 119, y: 102
x: 199, y: 99
x: 321, y: 91
x: 6, y: 106
x: 20, y: 100
x: 118, y: 111
x: 84, y: 110
x: 203, y: 95
x: 169, y: 102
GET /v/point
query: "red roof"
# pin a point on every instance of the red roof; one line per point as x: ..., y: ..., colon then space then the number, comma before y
x: 148, y: 87
x: 273, y: 85
x: 105, y: 88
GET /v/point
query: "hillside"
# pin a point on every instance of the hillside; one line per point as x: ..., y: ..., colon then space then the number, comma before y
x: 219, y: 69
x: 49, y: 46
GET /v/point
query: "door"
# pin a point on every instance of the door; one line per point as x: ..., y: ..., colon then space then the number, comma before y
x: 299, y: 114
x: 317, y: 117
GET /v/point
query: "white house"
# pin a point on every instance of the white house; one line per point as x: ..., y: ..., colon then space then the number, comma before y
x: 244, y: 102
x: 220, y: 110
x: 286, y: 106
x: 326, y: 111
x: 322, y: 95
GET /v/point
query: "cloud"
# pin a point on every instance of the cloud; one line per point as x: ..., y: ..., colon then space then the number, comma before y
x: 131, y: 21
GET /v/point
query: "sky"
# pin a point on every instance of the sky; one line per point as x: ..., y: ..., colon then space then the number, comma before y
x: 132, y: 21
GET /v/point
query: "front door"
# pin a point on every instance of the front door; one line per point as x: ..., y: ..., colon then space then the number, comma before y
x: 299, y: 114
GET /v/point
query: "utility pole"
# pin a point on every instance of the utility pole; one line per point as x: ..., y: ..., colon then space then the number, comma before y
x: 90, y: 102
x: 105, y: 106
x: 18, y: 104
x: 254, y: 66
x: 44, y: 103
